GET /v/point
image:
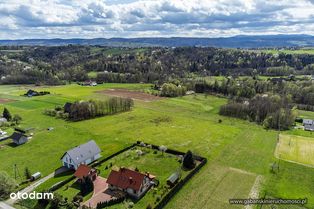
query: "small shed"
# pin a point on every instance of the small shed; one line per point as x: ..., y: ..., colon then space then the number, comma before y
x: 35, y: 176
x: 173, y: 179
x: 19, y: 138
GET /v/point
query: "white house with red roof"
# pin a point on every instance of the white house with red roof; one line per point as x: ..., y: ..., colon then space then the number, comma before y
x: 132, y: 182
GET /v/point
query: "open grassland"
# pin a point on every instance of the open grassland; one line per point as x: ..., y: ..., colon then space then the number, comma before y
x: 190, y: 122
x: 296, y: 149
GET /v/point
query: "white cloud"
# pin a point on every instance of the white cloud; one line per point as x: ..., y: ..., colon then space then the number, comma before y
x: 131, y: 18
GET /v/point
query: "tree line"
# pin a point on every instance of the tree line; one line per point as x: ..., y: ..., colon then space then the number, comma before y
x: 60, y: 64
x: 83, y: 110
x: 271, y: 111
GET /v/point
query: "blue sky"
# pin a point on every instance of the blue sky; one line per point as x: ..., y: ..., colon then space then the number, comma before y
x: 153, y: 18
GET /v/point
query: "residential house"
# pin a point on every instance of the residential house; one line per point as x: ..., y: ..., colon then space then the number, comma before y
x: 19, y: 138
x: 82, y: 154
x: 84, y: 171
x: 134, y: 183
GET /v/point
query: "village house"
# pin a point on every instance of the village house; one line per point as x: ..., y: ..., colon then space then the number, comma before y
x: 134, y: 183
x: 19, y: 138
x: 84, y: 171
x: 82, y: 154
x: 308, y: 124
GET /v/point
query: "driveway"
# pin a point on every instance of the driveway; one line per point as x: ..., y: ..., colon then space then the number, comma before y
x: 101, y: 193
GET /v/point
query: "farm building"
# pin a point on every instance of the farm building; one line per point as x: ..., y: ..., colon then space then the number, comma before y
x: 132, y: 182
x: 82, y: 154
x: 19, y: 138
x: 84, y: 171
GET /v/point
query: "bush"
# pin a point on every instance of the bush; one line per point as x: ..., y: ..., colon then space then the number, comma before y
x: 172, y: 90
x: 7, y: 185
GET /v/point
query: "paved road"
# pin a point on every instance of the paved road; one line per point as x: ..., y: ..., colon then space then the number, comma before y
x: 3, y: 205
x: 30, y: 188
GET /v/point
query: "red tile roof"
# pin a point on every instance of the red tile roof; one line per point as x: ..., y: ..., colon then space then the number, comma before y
x: 126, y: 178
x: 82, y: 171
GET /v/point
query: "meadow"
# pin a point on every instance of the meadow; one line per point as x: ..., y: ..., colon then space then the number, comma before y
x: 296, y: 149
x: 237, y: 151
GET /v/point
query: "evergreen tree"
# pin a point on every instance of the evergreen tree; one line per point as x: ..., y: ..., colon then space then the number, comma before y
x: 27, y: 173
x: 6, y: 114
x: 188, y: 160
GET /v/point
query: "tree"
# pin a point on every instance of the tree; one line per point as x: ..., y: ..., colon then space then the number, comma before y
x: 57, y: 199
x: 162, y: 149
x: 7, y: 185
x: 16, y: 119
x: 188, y: 160
x: 27, y: 173
x: 87, y: 185
x: 6, y: 114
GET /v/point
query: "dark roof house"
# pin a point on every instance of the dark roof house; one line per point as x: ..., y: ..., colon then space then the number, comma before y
x: 19, y: 138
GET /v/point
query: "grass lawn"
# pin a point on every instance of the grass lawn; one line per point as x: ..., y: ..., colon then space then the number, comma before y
x: 296, y: 149
x: 191, y: 124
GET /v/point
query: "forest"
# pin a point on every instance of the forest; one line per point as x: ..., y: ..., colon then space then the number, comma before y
x: 56, y: 65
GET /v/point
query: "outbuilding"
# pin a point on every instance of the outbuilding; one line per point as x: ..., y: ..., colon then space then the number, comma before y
x: 173, y: 179
x: 35, y: 176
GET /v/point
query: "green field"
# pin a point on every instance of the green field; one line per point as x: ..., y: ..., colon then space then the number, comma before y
x: 192, y: 124
x: 296, y: 149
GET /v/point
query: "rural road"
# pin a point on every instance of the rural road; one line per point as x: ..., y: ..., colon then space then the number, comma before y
x: 29, y: 188
x: 3, y: 205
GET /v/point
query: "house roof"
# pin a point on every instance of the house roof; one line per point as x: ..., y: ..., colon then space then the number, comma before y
x: 83, y: 152
x: 308, y: 121
x: 82, y: 171
x: 126, y: 178
x: 309, y: 127
x: 17, y: 136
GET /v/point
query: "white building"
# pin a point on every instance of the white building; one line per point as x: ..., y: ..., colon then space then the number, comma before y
x: 82, y: 154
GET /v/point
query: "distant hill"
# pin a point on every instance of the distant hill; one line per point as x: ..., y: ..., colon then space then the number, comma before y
x: 230, y: 42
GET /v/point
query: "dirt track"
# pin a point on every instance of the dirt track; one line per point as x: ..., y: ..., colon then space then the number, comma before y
x: 2, y: 100
x: 130, y: 94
